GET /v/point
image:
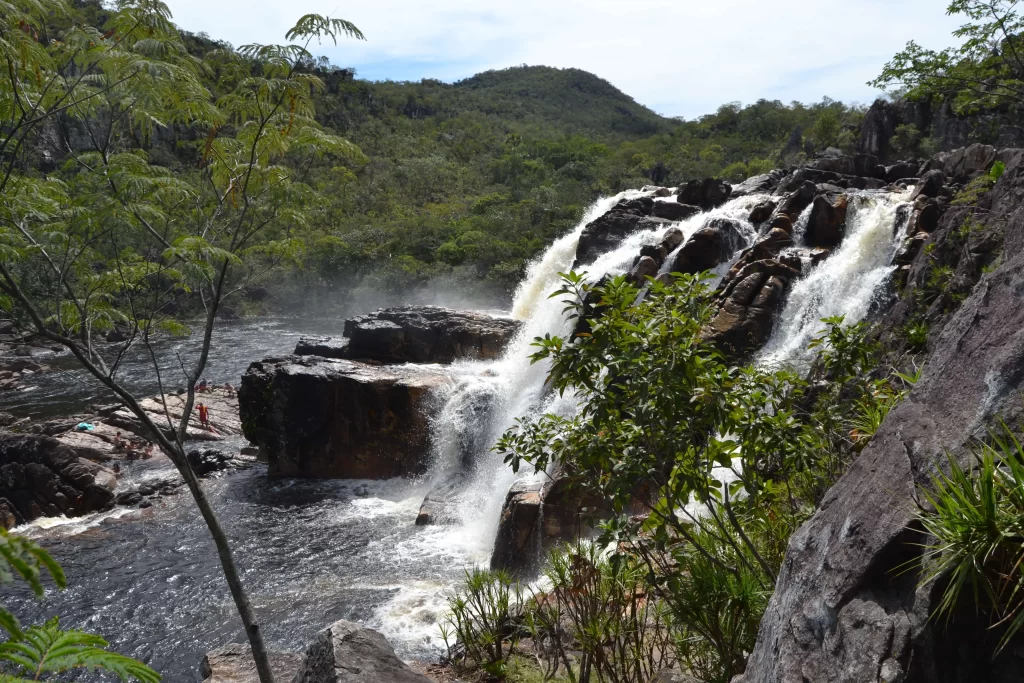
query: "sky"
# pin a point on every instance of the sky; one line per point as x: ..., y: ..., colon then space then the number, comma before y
x: 678, y: 57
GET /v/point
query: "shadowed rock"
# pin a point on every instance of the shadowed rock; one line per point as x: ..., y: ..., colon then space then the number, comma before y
x: 826, y: 224
x: 707, y: 194
x: 425, y: 334
x: 39, y: 476
x: 320, y: 418
x: 713, y: 244
x: 847, y: 604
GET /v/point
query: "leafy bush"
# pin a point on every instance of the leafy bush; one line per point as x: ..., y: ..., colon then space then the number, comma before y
x: 483, y: 618
x: 975, y: 533
x: 917, y: 335
x: 622, y: 634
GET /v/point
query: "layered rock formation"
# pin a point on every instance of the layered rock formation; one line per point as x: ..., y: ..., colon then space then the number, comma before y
x: 416, y: 334
x: 427, y: 334
x: 318, y: 417
x: 535, y: 515
x: 39, y: 477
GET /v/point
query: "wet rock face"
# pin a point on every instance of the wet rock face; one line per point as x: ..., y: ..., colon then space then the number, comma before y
x: 713, y: 244
x: 759, y: 184
x: 706, y: 194
x: 320, y: 418
x: 827, y: 222
x: 605, y: 232
x: 348, y: 653
x: 535, y: 516
x: 205, y: 461
x: 41, y: 477
x: 422, y: 334
x: 233, y: 663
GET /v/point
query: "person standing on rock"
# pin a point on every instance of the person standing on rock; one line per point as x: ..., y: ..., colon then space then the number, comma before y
x: 204, y: 415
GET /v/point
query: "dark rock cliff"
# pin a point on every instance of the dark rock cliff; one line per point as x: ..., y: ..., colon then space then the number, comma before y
x: 847, y: 606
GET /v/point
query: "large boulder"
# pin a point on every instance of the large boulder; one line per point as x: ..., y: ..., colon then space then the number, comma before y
x: 750, y: 298
x: 233, y: 663
x: 348, y: 653
x: 800, y: 198
x: 605, y: 232
x: 322, y: 418
x: 535, y: 516
x: 929, y: 185
x: 713, y: 244
x: 707, y: 194
x: 673, y: 211
x: 40, y: 476
x: 848, y: 605
x: 426, y: 334
x: 759, y: 184
x: 963, y: 164
x: 827, y: 222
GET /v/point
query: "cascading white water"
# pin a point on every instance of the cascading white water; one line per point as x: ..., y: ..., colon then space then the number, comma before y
x: 845, y: 284
x: 486, y: 397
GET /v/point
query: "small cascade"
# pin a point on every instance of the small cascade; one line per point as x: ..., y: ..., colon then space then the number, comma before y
x: 800, y: 226
x: 846, y: 283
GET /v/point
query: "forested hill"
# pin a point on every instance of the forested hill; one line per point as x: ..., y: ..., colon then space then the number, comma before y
x: 538, y: 98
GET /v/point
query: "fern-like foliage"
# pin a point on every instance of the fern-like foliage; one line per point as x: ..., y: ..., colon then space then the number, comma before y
x: 38, y: 653
x: 47, y: 650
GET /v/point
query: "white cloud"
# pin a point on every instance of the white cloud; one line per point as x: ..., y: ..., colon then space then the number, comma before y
x: 679, y: 57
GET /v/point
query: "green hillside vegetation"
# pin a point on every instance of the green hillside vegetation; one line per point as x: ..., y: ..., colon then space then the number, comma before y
x: 473, y: 179
x: 468, y: 181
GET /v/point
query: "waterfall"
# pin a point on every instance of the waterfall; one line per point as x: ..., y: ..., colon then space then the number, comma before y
x: 845, y: 284
x: 486, y: 397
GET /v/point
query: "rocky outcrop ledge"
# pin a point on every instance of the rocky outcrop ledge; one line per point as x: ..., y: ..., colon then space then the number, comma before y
x: 40, y: 476
x: 333, y: 418
x: 416, y: 334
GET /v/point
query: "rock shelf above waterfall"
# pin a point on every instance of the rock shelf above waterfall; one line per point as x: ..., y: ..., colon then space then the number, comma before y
x: 416, y: 334
x: 327, y: 418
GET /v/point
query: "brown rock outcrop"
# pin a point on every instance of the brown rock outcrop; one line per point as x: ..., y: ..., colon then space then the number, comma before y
x: 321, y: 418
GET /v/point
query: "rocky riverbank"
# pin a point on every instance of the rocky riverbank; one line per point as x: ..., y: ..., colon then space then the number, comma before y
x: 71, y: 467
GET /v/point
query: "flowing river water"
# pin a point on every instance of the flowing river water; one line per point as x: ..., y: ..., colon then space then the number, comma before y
x: 313, y: 552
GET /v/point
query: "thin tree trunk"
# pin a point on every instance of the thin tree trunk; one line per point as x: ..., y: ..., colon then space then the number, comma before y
x: 176, y: 452
x: 227, y: 561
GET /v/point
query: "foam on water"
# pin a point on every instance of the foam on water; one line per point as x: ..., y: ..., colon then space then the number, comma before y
x: 846, y: 284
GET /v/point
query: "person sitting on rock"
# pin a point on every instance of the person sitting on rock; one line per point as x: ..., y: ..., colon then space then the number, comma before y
x: 147, y: 453
x: 118, y: 443
x: 230, y: 389
x: 203, y: 385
